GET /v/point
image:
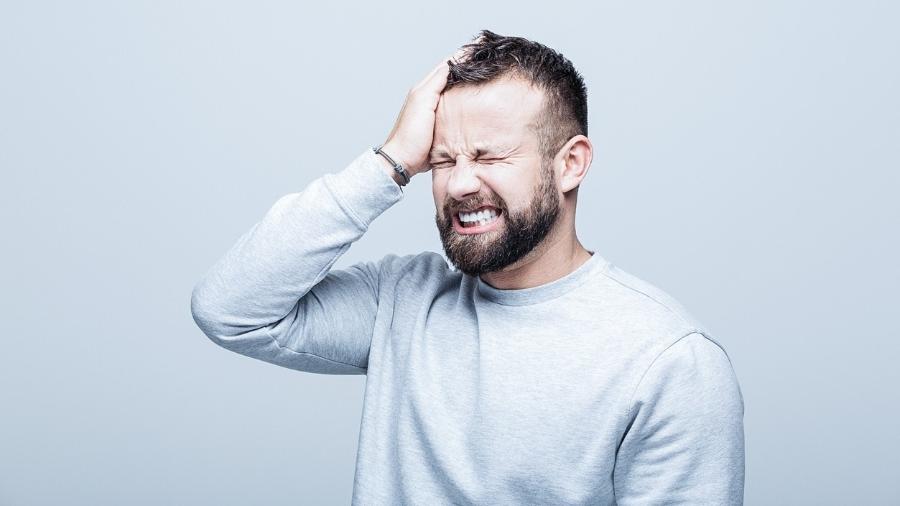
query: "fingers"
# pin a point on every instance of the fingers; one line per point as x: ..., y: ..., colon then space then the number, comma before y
x: 437, y: 78
x: 435, y: 81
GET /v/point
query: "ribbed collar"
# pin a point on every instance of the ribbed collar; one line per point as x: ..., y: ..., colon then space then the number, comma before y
x: 547, y: 291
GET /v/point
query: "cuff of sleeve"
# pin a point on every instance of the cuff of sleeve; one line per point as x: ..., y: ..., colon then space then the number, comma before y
x: 364, y: 188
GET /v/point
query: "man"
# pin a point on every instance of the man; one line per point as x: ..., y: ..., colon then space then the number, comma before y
x: 535, y: 372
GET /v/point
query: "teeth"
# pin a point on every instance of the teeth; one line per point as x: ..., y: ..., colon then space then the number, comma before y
x: 481, y: 216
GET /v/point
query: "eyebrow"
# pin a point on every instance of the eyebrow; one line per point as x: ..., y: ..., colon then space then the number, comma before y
x: 481, y: 149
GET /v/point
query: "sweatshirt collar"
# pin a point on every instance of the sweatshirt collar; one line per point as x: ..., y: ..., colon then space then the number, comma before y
x: 547, y: 291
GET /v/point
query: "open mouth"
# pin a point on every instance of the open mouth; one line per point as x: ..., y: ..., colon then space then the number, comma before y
x: 479, y: 218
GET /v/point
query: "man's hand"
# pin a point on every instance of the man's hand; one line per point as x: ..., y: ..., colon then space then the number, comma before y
x: 410, y: 141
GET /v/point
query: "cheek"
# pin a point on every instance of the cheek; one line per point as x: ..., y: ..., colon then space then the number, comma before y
x: 508, y: 191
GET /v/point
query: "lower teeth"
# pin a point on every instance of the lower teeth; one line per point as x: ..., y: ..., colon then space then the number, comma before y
x: 468, y: 224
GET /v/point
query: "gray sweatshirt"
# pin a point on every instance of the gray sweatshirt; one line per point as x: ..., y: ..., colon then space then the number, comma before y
x: 596, y: 388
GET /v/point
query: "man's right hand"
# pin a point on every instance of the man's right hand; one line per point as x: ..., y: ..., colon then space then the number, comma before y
x: 410, y: 141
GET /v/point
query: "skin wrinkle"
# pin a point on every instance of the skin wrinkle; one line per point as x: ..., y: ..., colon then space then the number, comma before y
x: 519, y: 182
x: 510, y: 132
x: 440, y: 154
x: 491, y: 56
x: 522, y: 231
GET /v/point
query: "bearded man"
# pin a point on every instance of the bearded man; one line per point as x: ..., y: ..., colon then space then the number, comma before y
x: 524, y: 368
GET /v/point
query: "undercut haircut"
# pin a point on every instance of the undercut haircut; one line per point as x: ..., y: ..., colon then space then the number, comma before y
x: 491, y: 56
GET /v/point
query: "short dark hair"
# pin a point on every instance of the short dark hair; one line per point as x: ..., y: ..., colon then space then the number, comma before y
x: 491, y: 56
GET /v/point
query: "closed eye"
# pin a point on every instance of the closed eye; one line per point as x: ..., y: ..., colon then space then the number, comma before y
x: 448, y: 164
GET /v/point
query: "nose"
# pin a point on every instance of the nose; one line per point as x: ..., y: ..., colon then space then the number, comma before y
x: 464, y: 181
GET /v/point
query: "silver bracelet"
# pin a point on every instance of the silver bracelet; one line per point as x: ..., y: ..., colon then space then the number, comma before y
x: 397, y: 167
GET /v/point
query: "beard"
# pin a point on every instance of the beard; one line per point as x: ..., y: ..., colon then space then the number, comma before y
x: 522, y: 231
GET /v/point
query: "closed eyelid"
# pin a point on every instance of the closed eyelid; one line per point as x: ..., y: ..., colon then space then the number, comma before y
x: 481, y: 155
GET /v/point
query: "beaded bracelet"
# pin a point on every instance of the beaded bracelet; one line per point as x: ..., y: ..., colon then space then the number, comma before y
x: 397, y: 167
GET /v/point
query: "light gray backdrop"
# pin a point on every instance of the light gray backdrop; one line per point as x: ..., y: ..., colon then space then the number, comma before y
x: 747, y: 163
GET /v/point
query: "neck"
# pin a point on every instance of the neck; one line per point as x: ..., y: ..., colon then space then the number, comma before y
x: 554, y: 258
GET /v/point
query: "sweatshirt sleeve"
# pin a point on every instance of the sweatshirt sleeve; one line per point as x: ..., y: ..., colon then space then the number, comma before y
x: 685, y: 441
x: 273, y: 296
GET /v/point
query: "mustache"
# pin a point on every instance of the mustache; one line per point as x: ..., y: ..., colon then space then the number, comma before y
x: 450, y: 209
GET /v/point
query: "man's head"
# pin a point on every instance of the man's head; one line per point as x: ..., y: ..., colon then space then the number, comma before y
x: 510, y: 122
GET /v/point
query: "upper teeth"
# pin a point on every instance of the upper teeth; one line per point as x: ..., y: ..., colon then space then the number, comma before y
x: 488, y: 214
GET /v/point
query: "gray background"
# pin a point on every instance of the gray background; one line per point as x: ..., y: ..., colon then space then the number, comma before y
x: 747, y: 163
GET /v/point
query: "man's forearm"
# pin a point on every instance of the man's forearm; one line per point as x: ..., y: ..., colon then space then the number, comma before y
x: 261, y: 278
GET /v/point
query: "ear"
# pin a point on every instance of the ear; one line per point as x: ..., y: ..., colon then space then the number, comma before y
x: 573, y: 161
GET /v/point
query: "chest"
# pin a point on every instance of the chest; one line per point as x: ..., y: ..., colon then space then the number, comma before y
x: 515, y: 397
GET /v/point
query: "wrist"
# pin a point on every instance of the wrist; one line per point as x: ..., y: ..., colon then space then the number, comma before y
x: 398, y: 170
x: 389, y: 169
x: 399, y: 155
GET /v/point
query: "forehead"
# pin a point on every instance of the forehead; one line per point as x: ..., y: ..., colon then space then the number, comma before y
x: 499, y: 115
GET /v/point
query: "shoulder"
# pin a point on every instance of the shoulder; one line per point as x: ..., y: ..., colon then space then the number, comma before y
x: 649, y: 298
x: 652, y: 317
x: 693, y: 373
x: 693, y: 354
x: 675, y: 348
x: 665, y: 335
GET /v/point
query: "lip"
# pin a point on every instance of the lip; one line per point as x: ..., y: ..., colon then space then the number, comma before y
x: 478, y: 209
x: 478, y: 229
